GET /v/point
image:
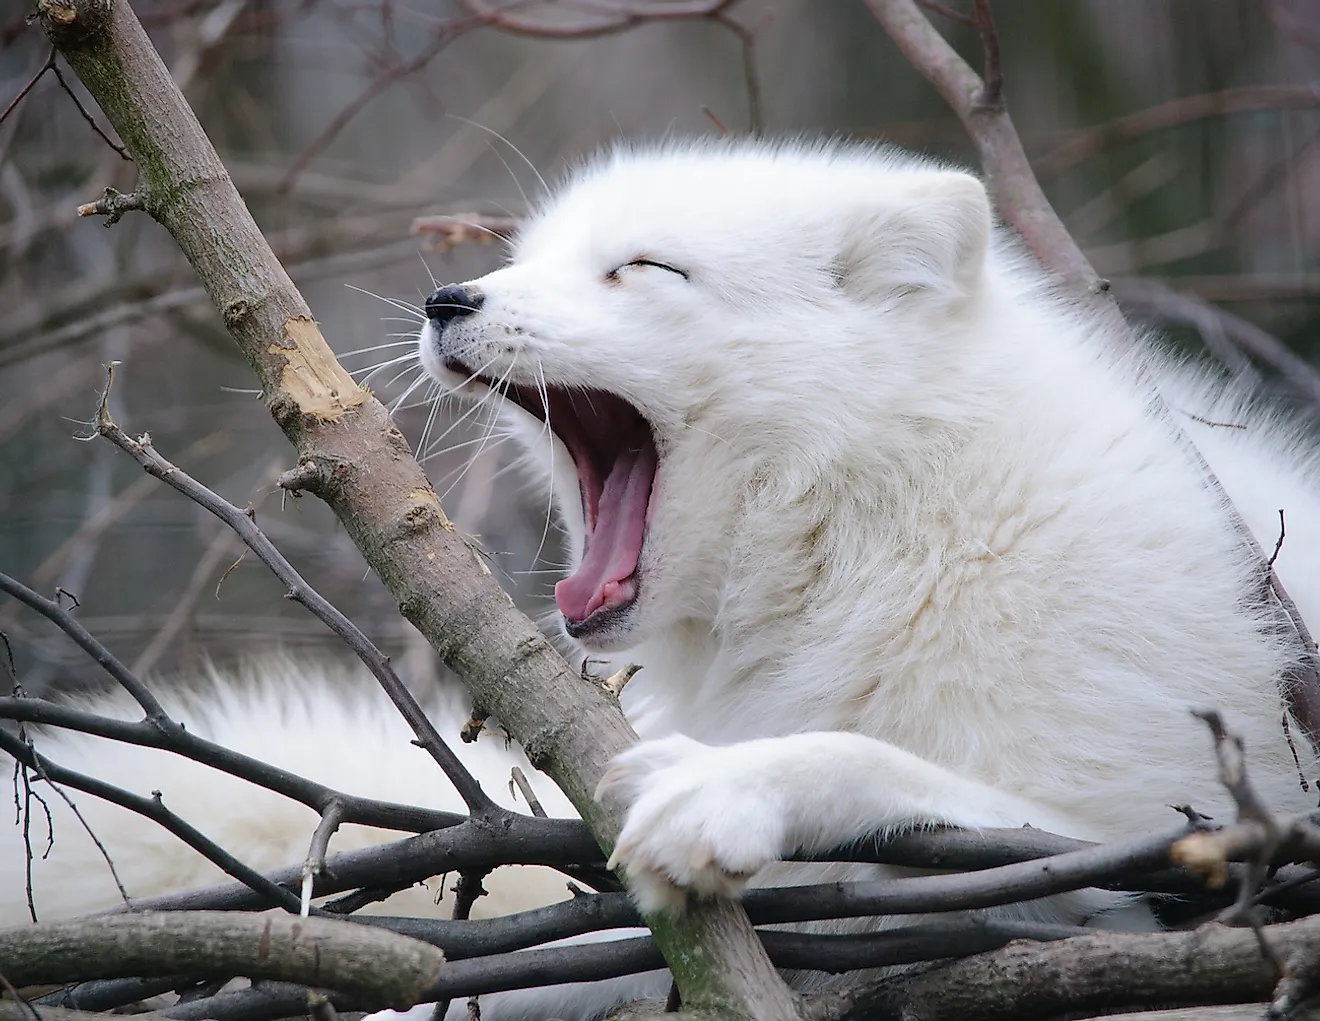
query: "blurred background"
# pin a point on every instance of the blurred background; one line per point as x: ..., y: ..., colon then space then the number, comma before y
x: 1179, y: 139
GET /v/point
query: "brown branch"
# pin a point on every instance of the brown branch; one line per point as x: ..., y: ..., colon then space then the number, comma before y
x: 331, y: 816
x: 1087, y: 974
x: 112, y: 205
x: 380, y: 968
x: 992, y: 88
x: 91, y: 121
x: 49, y: 65
x: 624, y: 16
x: 176, y: 739
x: 1084, y: 145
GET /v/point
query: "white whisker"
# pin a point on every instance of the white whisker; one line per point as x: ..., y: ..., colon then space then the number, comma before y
x: 397, y: 404
x: 543, y: 390
x: 379, y: 347
x: 518, y: 152
x: 371, y: 370
x: 435, y: 284
x: 401, y: 305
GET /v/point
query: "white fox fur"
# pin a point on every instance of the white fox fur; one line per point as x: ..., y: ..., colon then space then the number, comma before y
x: 917, y: 549
x: 326, y: 721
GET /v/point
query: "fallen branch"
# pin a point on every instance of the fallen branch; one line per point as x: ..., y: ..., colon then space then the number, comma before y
x: 1210, y: 965
x: 381, y: 969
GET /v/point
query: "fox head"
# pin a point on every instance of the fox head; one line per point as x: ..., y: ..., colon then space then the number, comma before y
x: 686, y: 337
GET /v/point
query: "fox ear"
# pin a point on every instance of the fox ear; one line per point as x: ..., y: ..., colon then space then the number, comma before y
x: 931, y: 235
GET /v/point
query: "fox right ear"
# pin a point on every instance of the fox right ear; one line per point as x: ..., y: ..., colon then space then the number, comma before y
x: 930, y: 235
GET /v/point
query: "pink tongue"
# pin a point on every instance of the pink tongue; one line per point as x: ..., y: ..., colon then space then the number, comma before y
x: 605, y: 578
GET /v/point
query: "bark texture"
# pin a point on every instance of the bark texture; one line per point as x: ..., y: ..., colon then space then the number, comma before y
x: 379, y: 968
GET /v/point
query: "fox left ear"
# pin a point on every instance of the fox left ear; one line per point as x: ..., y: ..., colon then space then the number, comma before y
x: 931, y: 235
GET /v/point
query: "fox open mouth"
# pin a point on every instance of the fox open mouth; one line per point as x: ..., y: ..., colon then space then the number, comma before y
x: 614, y: 451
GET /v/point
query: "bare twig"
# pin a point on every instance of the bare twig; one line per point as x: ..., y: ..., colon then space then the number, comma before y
x: 992, y: 89
x: 331, y: 816
x: 54, y: 612
x: 471, y: 845
x: 112, y: 205
x: 1278, y: 545
x: 32, y: 84
x: 177, y: 739
x: 529, y: 795
x: 55, y: 70
x: 751, y: 80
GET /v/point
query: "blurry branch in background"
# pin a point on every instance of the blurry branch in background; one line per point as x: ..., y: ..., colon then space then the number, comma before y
x: 448, y: 230
x: 597, y: 19
x: 1159, y: 303
x: 1090, y: 142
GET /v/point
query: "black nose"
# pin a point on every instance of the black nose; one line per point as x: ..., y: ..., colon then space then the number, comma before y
x: 448, y: 303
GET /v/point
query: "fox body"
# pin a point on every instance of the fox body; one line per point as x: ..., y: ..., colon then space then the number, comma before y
x: 896, y: 535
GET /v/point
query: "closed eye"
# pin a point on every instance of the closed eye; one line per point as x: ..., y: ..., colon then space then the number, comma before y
x: 652, y: 263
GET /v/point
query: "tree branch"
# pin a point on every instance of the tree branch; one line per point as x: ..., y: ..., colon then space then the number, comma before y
x: 379, y: 968
x: 1210, y: 965
x: 353, y: 457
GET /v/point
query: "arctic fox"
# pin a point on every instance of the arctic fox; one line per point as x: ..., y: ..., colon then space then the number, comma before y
x: 894, y: 533
x: 892, y: 530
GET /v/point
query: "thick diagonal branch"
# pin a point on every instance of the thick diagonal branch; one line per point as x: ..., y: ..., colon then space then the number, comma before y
x: 352, y: 456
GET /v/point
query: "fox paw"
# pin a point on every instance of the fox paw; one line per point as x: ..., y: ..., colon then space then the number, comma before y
x: 701, y: 820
